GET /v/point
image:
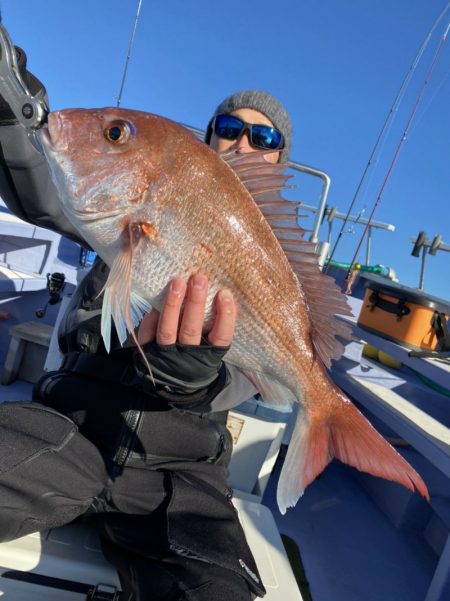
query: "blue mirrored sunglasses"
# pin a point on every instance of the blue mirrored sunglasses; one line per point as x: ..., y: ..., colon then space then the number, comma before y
x: 260, y: 136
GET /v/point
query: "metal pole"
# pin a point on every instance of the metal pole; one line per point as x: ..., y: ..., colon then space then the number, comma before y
x: 326, y: 182
x: 422, y: 267
x: 369, y: 245
x: 330, y: 226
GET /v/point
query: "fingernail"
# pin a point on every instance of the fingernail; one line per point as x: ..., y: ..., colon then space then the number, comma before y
x: 199, y: 281
x: 226, y: 296
x: 176, y: 286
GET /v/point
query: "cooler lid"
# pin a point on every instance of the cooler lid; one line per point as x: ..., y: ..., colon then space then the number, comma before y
x: 413, y: 295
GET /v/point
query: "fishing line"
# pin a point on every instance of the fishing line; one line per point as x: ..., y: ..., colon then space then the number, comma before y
x: 130, y: 47
x: 371, y: 174
x: 400, y: 144
x: 386, y: 126
x: 429, y: 103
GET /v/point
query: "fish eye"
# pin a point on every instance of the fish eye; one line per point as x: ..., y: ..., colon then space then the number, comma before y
x: 117, y: 132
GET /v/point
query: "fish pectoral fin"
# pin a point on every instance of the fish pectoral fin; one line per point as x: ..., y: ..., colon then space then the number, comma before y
x: 139, y: 306
x: 345, y: 434
x: 120, y: 304
x: 271, y: 390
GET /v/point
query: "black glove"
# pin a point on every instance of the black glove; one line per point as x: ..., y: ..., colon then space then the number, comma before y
x: 181, y: 368
x: 33, y: 84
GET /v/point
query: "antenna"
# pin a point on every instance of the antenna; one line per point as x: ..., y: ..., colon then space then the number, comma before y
x: 130, y: 47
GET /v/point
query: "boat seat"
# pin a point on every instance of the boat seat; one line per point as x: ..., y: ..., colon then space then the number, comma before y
x: 256, y: 444
x: 29, y: 252
x: 19, y: 280
x: 26, y: 247
x: 65, y: 563
x: 33, y: 349
x: 27, y: 351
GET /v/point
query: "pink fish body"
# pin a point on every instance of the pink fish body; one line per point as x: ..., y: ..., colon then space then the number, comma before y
x: 155, y: 203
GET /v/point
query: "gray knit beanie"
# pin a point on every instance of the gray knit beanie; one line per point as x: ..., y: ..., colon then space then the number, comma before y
x: 266, y: 104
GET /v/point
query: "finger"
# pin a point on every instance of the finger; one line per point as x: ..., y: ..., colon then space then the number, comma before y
x: 147, y: 327
x: 194, y: 310
x: 221, y: 333
x: 170, y: 314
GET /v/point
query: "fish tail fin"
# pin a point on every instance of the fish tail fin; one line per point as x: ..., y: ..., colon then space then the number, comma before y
x: 347, y: 435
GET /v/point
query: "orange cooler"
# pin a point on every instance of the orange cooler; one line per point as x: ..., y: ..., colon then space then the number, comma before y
x: 405, y: 315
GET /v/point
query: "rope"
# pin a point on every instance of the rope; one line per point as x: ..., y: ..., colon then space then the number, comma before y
x: 400, y: 144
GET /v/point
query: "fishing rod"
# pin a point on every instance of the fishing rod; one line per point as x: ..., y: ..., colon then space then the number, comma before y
x: 402, y: 140
x: 130, y: 47
x: 386, y: 126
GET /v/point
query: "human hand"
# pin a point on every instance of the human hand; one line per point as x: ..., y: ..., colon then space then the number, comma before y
x: 170, y: 326
x: 172, y: 340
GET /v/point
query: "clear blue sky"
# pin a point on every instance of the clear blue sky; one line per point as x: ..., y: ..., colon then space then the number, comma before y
x: 335, y: 64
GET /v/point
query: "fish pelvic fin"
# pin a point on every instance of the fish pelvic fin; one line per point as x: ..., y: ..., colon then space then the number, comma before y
x: 122, y: 305
x: 324, y: 299
x: 347, y: 435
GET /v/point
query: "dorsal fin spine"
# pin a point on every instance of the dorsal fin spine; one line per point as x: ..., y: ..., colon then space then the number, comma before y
x: 323, y: 297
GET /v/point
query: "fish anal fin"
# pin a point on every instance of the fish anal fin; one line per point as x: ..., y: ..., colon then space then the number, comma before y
x: 271, y: 390
x: 345, y: 435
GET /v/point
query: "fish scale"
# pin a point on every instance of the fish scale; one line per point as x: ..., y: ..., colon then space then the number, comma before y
x: 156, y: 203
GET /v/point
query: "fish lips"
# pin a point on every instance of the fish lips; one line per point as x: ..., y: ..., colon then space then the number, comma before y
x: 53, y: 137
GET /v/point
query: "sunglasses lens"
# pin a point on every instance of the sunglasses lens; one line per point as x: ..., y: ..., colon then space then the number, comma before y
x: 266, y: 137
x: 228, y: 127
x: 262, y: 136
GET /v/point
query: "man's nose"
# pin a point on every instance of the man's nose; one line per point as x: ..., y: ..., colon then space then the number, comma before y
x: 243, y: 144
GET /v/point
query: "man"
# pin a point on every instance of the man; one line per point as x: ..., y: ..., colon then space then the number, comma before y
x: 145, y: 464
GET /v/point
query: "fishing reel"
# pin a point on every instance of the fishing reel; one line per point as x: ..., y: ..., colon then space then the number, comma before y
x: 56, y: 283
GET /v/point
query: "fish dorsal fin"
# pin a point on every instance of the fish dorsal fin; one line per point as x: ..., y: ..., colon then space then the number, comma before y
x: 264, y: 181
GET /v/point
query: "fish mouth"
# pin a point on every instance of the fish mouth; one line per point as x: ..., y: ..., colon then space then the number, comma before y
x: 52, y: 136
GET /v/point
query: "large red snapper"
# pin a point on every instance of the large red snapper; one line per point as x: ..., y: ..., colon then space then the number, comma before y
x: 155, y: 203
